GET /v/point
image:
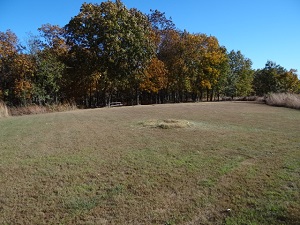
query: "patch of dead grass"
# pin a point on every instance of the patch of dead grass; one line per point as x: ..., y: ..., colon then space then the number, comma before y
x: 166, y: 123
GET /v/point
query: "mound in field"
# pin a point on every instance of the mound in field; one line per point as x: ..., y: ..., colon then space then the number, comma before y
x: 166, y: 123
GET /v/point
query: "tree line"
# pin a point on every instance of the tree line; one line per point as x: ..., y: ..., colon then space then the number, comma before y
x: 111, y: 53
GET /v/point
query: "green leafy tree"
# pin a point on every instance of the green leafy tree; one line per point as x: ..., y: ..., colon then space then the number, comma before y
x: 49, y: 51
x: 267, y: 80
x: 47, y: 83
x: 115, y: 40
x: 289, y: 82
x: 78, y: 79
x: 240, y: 76
x: 222, y: 78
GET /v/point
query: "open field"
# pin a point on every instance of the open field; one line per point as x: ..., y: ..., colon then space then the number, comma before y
x: 128, y: 166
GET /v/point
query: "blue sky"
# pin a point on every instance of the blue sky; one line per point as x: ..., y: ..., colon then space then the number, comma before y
x: 261, y: 29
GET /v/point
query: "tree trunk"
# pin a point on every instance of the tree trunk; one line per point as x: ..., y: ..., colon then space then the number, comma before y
x: 207, y: 94
x: 211, y: 94
x: 109, y: 100
x: 137, y: 95
x: 90, y: 97
x: 201, y: 95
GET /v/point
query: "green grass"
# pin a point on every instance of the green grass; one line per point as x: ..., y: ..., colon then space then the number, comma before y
x: 112, y: 166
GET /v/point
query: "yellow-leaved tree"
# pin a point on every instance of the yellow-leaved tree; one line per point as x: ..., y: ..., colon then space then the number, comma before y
x: 155, y: 77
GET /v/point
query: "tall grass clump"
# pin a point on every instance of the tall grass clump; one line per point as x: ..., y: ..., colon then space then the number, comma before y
x: 284, y: 100
x: 3, y: 110
x: 39, y: 109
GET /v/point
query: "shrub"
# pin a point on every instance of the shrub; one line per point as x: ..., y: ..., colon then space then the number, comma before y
x: 284, y: 100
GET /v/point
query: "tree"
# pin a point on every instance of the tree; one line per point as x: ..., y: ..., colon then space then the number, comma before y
x: 23, y: 69
x: 213, y: 59
x: 16, y: 70
x: 160, y: 26
x: 268, y: 79
x: 193, y: 50
x: 54, y: 38
x: 289, y: 82
x: 195, y: 63
x: 9, y: 48
x: 155, y: 77
x: 224, y: 71
x: 78, y: 79
x: 240, y: 75
x: 49, y: 51
x: 47, y: 83
x: 116, y: 41
x: 159, y: 21
x: 171, y: 53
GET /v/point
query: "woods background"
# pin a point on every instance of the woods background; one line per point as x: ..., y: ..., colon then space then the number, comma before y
x: 111, y: 53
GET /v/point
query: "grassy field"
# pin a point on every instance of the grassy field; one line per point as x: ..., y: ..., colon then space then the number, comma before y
x: 124, y: 166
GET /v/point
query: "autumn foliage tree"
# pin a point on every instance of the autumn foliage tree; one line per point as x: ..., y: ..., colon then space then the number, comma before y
x: 108, y: 52
x: 155, y: 80
x: 16, y: 70
x: 195, y: 64
x: 8, y: 52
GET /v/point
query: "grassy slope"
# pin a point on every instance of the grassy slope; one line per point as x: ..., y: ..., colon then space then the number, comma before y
x: 102, y: 166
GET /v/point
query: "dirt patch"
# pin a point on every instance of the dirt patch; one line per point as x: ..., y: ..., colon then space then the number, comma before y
x: 166, y: 124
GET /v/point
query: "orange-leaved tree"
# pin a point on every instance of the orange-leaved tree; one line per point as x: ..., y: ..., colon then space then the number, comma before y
x: 155, y: 78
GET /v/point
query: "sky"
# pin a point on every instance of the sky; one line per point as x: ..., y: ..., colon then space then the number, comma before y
x: 261, y: 29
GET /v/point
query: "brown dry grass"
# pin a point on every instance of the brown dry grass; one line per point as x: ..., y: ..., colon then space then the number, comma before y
x: 102, y: 166
x: 166, y: 123
x: 284, y: 99
x: 3, y: 110
x: 38, y: 109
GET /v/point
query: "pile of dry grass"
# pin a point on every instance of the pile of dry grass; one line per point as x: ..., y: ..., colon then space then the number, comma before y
x: 284, y: 100
x: 3, y: 110
x: 37, y: 109
x: 167, y: 123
